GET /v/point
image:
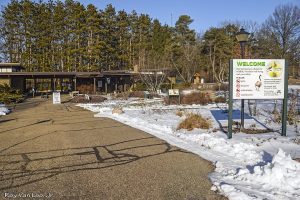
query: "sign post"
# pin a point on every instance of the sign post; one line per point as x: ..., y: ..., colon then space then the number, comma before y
x: 230, y: 106
x: 284, y: 103
x: 258, y: 79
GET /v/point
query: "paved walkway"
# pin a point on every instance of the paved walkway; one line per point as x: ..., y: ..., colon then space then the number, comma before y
x: 62, y: 151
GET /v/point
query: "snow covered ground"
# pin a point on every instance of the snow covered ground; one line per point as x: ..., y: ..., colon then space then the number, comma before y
x: 3, y: 109
x: 248, y: 166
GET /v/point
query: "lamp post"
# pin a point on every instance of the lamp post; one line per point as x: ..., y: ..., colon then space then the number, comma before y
x: 242, y: 37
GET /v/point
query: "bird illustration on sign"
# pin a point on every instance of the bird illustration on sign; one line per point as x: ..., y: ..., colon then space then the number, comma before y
x: 258, y: 83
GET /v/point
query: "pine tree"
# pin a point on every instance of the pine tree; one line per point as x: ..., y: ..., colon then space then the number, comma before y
x: 60, y: 37
x: 110, y: 41
x: 123, y: 35
x: 93, y: 46
x: 10, y: 32
x: 221, y: 45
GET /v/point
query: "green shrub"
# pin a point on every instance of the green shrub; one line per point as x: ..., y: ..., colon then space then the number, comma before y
x: 5, y: 88
x: 140, y: 87
x: 9, y: 98
x: 8, y: 95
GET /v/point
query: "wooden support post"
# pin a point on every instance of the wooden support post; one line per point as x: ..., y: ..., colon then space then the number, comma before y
x: 105, y: 87
x: 34, y: 83
x: 60, y: 84
x: 34, y: 87
x: 94, y: 85
x: 75, y: 84
x: 52, y: 85
x: 24, y: 85
x: 70, y: 86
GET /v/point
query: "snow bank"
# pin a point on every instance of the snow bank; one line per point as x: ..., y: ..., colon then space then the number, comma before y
x: 278, y: 179
x: 294, y: 87
x: 189, y: 91
x: 3, y: 109
x: 282, y: 172
x: 236, y: 151
x: 247, y: 166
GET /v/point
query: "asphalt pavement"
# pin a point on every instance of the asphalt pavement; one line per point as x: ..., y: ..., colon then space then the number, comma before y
x: 62, y: 152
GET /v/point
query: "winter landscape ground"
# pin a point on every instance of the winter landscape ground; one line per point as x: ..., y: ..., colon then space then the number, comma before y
x: 248, y: 166
x: 3, y: 109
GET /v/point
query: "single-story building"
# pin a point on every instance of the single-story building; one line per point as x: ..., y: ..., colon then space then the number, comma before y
x: 14, y: 75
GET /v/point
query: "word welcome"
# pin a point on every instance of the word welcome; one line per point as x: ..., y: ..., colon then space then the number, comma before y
x: 251, y: 63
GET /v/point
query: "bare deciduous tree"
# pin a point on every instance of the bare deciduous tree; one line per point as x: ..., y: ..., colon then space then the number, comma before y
x: 285, y: 25
x: 155, y: 71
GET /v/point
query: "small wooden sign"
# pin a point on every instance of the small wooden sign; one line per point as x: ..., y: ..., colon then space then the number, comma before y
x: 174, y: 92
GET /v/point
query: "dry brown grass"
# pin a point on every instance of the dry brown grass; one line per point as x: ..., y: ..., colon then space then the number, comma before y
x: 194, y: 121
x: 224, y: 87
x: 117, y: 110
x: 122, y: 95
x: 297, y: 141
x: 196, y: 98
x: 220, y: 100
x: 138, y: 94
x: 179, y: 113
x: 276, y: 116
x: 126, y: 95
x: 254, y: 131
x: 294, y: 81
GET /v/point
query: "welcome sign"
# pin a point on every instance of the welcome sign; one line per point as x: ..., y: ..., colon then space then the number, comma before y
x: 258, y: 78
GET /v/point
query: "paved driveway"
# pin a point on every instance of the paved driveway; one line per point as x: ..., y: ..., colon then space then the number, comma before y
x: 63, y: 152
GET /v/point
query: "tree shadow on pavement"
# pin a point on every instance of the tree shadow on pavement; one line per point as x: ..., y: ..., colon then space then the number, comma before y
x: 21, y: 169
x: 27, y: 125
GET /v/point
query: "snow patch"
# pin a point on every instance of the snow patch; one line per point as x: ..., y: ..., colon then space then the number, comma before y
x: 4, y: 110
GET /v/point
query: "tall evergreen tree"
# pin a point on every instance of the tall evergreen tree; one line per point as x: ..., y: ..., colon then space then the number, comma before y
x: 94, y: 45
x: 123, y: 35
x: 110, y: 41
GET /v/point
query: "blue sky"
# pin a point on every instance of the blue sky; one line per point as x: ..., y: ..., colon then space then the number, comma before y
x: 205, y: 13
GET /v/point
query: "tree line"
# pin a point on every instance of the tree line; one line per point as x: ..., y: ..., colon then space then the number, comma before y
x: 68, y: 36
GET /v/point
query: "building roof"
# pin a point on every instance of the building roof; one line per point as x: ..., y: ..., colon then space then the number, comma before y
x: 66, y: 74
x: 22, y: 73
x: 18, y: 65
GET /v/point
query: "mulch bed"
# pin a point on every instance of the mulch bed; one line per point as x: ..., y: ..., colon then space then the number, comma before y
x: 189, y: 99
x: 255, y: 131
